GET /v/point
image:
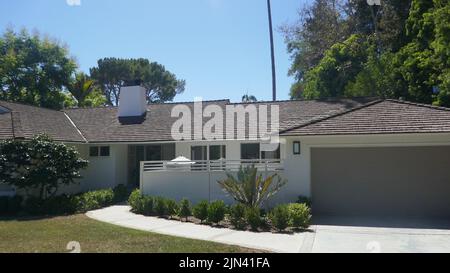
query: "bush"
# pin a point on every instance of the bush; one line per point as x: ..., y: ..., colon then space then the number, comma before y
x: 95, y: 200
x: 280, y: 217
x: 216, y: 211
x: 147, y: 205
x: 172, y: 207
x: 200, y: 211
x: 62, y: 204
x: 185, y: 209
x: 33, y: 205
x: 10, y: 205
x: 120, y: 193
x: 253, y: 217
x: 135, y: 201
x: 160, y: 206
x: 304, y: 200
x: 237, y: 216
x: 299, y: 215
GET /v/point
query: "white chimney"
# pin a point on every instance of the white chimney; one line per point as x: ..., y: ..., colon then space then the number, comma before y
x: 132, y: 101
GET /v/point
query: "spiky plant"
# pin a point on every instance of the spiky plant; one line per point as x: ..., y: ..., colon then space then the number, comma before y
x: 249, y: 188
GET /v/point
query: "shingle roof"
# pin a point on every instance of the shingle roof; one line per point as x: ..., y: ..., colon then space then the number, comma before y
x: 27, y: 121
x: 102, y: 125
x: 300, y: 117
x: 380, y: 117
x: 6, y: 131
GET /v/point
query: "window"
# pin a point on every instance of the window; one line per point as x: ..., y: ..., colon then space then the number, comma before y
x: 296, y: 147
x: 95, y: 151
x: 217, y: 152
x: 199, y: 153
x: 250, y: 151
x: 271, y: 154
x: 104, y: 151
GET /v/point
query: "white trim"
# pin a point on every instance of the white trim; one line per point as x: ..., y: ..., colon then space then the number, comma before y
x: 76, y: 128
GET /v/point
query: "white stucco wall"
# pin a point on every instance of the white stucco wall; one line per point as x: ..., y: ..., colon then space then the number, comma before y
x: 103, y: 172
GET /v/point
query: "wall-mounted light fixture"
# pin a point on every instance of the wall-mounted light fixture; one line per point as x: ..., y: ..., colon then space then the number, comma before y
x: 296, y: 147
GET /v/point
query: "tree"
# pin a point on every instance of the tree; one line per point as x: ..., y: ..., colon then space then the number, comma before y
x: 320, y: 25
x: 34, y: 69
x: 86, y: 92
x: 249, y: 188
x: 341, y: 64
x: 249, y: 98
x: 111, y: 74
x: 39, y: 164
x: 326, y: 23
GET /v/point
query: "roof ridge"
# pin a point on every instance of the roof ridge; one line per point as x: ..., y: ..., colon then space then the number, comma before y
x: 29, y: 105
x: 310, y: 100
x: 340, y: 113
x: 442, y: 108
x: 75, y: 126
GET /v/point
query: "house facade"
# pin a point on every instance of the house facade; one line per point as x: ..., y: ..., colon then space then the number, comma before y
x: 362, y: 156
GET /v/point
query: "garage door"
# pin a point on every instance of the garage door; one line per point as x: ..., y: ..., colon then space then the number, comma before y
x: 391, y: 181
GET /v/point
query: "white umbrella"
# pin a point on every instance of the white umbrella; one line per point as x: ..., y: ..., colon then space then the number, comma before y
x: 181, y: 160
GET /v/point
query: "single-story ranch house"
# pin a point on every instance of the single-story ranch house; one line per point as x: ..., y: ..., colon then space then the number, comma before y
x: 362, y: 156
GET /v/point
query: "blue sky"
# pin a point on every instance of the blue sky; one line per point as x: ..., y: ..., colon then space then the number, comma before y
x: 220, y: 47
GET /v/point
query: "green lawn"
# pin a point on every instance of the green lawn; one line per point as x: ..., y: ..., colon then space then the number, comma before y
x: 53, y: 234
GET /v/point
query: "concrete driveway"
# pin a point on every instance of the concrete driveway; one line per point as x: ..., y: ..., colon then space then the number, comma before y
x: 380, y: 235
x: 327, y: 235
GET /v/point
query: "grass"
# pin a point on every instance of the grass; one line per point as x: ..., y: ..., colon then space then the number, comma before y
x: 53, y: 235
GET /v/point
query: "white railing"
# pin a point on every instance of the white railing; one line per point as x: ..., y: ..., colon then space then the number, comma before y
x: 211, y: 165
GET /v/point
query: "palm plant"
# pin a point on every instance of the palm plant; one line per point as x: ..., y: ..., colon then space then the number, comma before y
x: 85, y: 91
x: 249, y: 188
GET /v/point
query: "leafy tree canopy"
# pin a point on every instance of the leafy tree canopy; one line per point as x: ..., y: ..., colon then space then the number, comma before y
x: 400, y: 51
x: 34, y: 69
x: 112, y: 73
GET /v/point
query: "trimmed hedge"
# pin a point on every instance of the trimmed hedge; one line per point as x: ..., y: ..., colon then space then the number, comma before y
x: 253, y: 218
x: 10, y: 205
x: 216, y: 211
x: 200, y: 211
x: 281, y: 217
x: 237, y: 216
x: 70, y: 204
x: 299, y: 215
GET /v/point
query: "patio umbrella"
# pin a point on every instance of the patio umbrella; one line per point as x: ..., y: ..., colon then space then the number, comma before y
x: 181, y: 160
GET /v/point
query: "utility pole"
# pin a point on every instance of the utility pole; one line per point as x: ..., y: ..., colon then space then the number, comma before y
x: 272, y: 51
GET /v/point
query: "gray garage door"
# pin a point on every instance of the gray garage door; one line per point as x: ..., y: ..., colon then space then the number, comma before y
x: 395, y: 181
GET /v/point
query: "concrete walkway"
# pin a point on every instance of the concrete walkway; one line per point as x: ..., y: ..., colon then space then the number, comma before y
x: 324, y: 238
x: 121, y: 215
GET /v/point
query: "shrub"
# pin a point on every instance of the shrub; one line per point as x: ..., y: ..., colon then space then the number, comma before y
x: 299, y: 215
x: 95, y: 199
x: 185, y: 209
x: 216, y: 211
x: 200, y: 211
x: 237, y: 216
x: 280, y: 217
x: 62, y: 204
x: 146, y: 205
x: 172, y: 207
x: 120, y: 193
x: 135, y: 201
x: 160, y: 206
x: 253, y: 217
x: 33, y: 205
x: 304, y: 200
x: 10, y: 205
